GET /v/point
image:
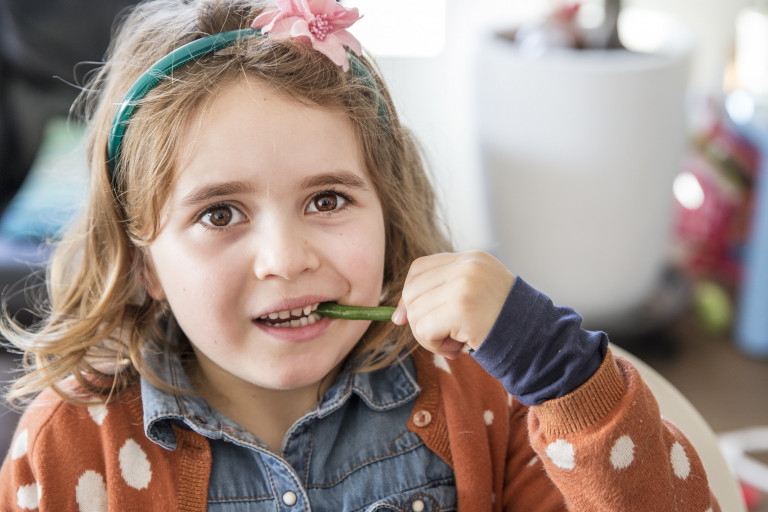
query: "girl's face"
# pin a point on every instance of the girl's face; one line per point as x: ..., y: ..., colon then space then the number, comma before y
x: 272, y: 213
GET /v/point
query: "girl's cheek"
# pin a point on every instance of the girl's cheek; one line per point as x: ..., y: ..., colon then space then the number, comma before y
x: 364, y: 260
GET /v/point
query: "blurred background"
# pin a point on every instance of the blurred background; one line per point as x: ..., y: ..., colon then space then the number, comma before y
x: 609, y: 152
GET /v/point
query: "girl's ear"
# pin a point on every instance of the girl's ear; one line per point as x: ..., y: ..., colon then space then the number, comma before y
x: 149, y: 278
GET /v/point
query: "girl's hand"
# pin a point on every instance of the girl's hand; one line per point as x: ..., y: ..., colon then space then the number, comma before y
x: 452, y: 299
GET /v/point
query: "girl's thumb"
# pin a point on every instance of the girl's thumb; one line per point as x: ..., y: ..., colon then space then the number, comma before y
x: 400, y: 316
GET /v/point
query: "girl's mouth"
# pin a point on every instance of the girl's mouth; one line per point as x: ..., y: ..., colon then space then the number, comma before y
x: 299, y: 317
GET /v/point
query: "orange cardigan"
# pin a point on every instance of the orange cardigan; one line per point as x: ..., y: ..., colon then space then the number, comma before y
x: 603, y: 447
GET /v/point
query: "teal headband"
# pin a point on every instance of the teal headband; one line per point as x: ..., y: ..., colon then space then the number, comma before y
x: 152, y: 77
x: 178, y: 58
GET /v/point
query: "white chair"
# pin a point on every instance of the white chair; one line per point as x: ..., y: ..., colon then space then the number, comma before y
x: 738, y: 447
x: 677, y: 409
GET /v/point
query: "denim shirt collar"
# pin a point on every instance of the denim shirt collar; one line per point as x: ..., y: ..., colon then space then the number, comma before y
x: 380, y: 390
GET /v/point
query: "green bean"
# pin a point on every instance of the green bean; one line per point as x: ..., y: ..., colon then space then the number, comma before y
x: 376, y: 313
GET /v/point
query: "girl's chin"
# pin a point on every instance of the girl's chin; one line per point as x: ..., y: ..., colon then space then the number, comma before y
x: 300, y: 378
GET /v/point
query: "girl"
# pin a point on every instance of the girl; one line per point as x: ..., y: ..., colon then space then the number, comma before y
x: 256, y: 168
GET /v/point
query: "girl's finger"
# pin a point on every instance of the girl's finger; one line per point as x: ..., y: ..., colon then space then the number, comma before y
x: 450, y: 348
x: 400, y: 316
x: 426, y: 263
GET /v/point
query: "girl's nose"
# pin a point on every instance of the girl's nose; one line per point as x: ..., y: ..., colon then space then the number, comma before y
x: 283, y: 251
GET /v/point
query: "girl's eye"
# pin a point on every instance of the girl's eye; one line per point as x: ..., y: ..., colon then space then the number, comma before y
x: 221, y: 216
x: 325, y: 202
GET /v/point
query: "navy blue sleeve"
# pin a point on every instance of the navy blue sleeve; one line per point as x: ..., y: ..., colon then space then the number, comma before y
x: 539, y: 351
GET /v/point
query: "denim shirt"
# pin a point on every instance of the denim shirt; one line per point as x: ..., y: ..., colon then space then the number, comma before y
x: 353, y: 452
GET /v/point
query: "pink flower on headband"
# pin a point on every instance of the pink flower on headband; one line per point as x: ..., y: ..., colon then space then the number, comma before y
x: 322, y: 22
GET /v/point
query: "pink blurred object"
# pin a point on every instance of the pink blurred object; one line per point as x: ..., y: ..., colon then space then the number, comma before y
x: 558, y: 30
x: 752, y: 497
x: 712, y: 223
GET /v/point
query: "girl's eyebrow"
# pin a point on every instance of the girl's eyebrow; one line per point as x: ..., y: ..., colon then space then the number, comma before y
x: 208, y: 192
x: 345, y: 178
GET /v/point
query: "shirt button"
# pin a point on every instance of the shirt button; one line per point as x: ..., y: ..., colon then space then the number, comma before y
x: 289, y: 498
x: 417, y: 506
x: 422, y: 418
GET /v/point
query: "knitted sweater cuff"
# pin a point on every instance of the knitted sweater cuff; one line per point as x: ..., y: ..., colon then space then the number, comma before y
x: 587, y: 405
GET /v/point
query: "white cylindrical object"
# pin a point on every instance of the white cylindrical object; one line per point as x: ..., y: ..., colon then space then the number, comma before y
x: 580, y: 149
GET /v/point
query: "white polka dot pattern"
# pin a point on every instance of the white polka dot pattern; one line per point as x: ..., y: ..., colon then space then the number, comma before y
x: 488, y: 417
x: 623, y: 452
x: 561, y: 453
x: 28, y: 496
x: 91, y: 492
x: 98, y: 413
x: 533, y: 461
x: 134, y: 465
x: 19, y: 448
x: 680, y: 463
x: 442, y: 363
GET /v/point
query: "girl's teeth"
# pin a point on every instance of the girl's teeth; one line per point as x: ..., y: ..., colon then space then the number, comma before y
x: 299, y: 317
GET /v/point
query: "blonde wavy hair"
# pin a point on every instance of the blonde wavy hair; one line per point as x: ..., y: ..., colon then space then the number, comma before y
x: 99, y: 319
